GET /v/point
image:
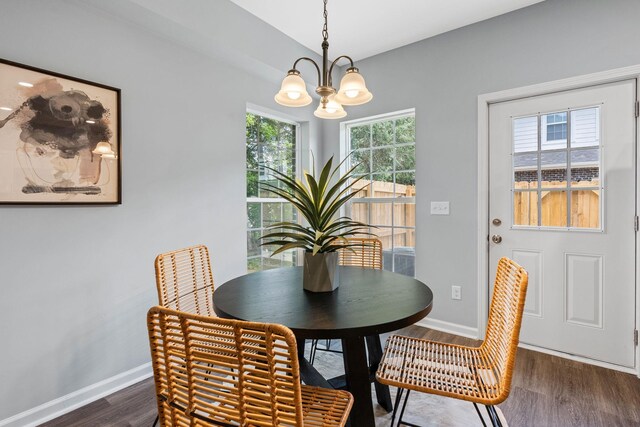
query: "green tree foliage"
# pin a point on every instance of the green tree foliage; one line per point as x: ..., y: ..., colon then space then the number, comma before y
x: 384, y: 149
x: 271, y: 143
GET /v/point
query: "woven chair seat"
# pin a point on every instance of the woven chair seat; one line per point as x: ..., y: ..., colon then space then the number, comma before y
x: 219, y: 372
x: 324, y: 407
x: 320, y: 408
x: 476, y: 374
x: 438, y: 368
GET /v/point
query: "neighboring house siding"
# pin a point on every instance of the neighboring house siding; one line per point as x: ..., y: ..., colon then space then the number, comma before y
x: 585, y: 129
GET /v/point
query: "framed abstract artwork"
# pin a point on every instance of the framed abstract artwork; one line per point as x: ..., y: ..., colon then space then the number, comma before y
x: 59, y: 138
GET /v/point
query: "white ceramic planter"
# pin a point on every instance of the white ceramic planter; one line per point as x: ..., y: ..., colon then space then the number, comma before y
x: 320, y: 272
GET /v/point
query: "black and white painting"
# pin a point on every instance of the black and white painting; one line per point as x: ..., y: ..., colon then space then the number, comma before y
x: 59, y: 138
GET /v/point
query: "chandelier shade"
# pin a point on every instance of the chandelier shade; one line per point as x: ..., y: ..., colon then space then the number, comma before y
x: 353, y: 90
x: 293, y: 92
x: 329, y: 109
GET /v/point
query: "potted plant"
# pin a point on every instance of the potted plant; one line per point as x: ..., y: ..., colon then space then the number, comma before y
x: 319, y: 202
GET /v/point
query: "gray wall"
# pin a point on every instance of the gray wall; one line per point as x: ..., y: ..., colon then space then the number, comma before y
x: 442, y: 77
x: 77, y: 281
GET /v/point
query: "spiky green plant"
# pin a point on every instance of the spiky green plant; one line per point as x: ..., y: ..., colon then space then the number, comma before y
x: 319, y: 203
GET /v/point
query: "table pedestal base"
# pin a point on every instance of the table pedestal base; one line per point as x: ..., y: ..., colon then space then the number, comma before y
x: 359, y: 379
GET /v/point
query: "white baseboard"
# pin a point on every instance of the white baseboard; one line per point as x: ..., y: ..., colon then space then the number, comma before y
x: 62, y: 405
x: 451, y: 328
x: 579, y: 358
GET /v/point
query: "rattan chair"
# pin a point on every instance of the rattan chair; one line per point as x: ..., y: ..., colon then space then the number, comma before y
x: 476, y: 374
x: 360, y: 252
x: 192, y: 358
x: 184, y: 280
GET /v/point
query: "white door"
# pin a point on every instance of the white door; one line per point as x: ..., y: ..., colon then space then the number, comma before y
x: 562, y: 204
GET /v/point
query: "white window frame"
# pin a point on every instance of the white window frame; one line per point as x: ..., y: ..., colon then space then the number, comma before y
x: 262, y: 200
x: 345, y: 150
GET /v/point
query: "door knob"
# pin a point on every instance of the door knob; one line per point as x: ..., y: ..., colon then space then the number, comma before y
x: 496, y: 221
x: 496, y: 238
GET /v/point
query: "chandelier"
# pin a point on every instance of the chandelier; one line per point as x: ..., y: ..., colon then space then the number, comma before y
x: 353, y: 91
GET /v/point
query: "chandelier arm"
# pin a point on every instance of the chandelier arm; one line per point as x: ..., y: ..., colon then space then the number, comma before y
x: 314, y: 64
x: 334, y: 63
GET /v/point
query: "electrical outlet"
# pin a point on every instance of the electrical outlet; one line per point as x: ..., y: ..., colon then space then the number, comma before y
x: 456, y: 292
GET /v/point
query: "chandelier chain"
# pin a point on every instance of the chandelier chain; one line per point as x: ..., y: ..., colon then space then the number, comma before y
x: 325, y: 32
x: 352, y: 91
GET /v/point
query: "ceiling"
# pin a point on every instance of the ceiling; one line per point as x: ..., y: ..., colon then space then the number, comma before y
x: 363, y: 28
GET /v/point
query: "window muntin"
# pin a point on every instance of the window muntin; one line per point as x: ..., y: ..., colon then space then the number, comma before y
x: 384, y: 151
x: 270, y: 142
x: 557, y: 182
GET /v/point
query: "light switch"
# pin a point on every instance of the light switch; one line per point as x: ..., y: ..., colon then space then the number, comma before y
x: 439, y: 208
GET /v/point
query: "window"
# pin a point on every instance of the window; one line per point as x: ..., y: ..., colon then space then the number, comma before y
x: 556, y: 126
x: 272, y: 143
x: 384, y: 149
x: 556, y: 179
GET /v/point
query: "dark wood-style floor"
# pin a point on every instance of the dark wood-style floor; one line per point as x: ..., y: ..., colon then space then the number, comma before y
x: 546, y: 391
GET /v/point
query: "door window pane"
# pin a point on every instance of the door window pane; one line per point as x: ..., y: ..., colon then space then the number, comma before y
x: 554, y: 131
x: 525, y: 134
x: 585, y: 127
x: 585, y: 208
x: 553, y: 169
x: 549, y: 164
x: 585, y: 167
x: 553, y: 209
x: 525, y: 208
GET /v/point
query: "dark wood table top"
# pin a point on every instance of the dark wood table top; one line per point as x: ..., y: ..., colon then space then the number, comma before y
x: 367, y: 302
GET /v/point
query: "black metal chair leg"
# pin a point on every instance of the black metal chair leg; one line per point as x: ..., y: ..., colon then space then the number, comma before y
x: 312, y: 352
x: 475, y: 405
x: 493, y: 415
x: 156, y: 421
x: 404, y: 406
x: 395, y: 407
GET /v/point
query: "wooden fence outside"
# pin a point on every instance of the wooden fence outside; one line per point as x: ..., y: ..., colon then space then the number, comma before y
x: 585, y: 204
x: 382, y: 213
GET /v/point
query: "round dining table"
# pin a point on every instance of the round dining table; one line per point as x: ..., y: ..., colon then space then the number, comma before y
x: 367, y: 303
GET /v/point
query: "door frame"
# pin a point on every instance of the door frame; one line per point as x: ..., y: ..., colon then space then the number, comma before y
x: 484, y: 101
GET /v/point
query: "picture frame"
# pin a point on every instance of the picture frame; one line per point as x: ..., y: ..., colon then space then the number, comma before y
x: 60, y: 139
